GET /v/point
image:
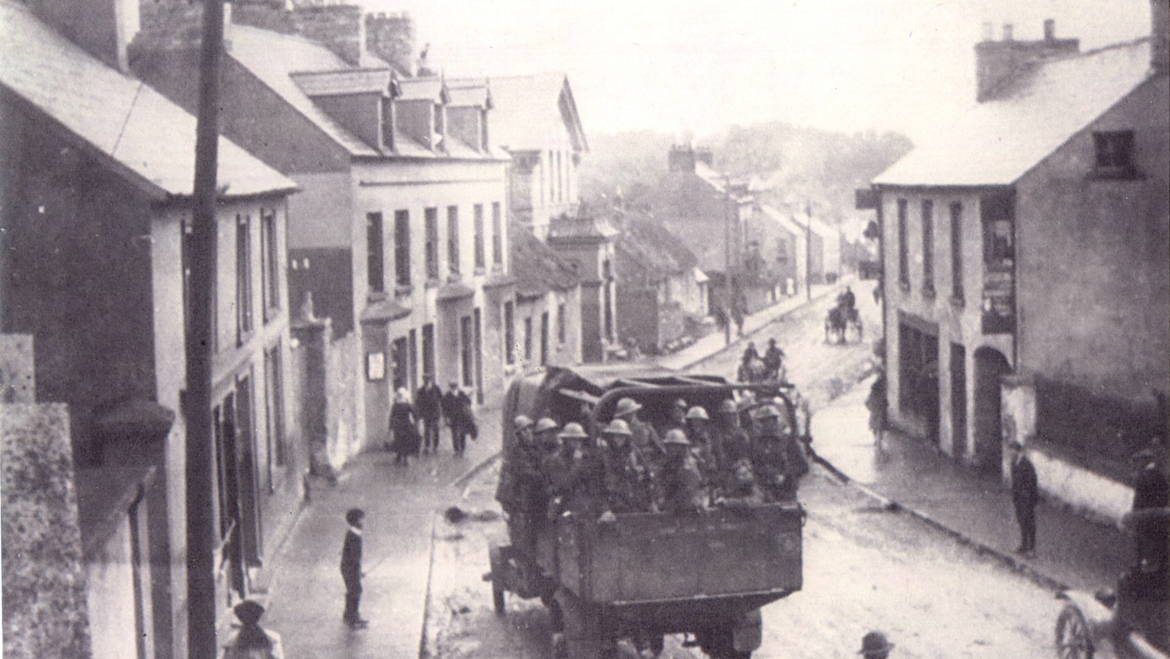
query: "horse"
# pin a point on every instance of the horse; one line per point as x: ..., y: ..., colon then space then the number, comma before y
x: 840, y: 319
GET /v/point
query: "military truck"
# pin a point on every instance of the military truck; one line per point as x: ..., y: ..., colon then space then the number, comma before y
x: 645, y: 575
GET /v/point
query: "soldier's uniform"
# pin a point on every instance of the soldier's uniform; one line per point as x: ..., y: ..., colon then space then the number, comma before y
x: 584, y: 486
x: 742, y: 491
x: 644, y: 436
x: 729, y: 442
x: 778, y: 459
x: 680, y: 482
x: 627, y: 477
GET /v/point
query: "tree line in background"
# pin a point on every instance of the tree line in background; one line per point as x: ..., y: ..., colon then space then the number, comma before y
x: 798, y: 165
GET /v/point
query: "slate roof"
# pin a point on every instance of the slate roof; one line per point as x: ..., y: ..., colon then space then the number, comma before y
x: 996, y: 142
x: 273, y: 57
x: 718, y: 181
x: 122, y: 118
x: 647, y: 250
x: 537, y: 268
x: 581, y: 228
x: 532, y: 112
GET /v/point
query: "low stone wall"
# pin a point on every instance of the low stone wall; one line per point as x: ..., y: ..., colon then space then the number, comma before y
x: 1091, y: 494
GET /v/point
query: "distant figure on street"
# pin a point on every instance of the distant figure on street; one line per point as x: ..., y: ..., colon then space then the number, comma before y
x: 847, y: 300
x: 351, y: 568
x: 251, y: 641
x: 457, y: 410
x: 749, y: 353
x: 403, y: 428
x: 874, y: 645
x: 1025, y: 496
x: 1151, y: 494
x: 737, y: 316
x: 773, y: 360
x: 428, y: 404
x: 876, y: 404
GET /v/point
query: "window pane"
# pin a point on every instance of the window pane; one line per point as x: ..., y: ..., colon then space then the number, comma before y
x: 957, y: 250
x: 402, y: 247
x: 479, y: 257
x: 374, y: 252
x: 243, y: 276
x: 903, y: 256
x: 453, y: 239
x: 497, y: 235
x: 432, y: 246
x: 928, y: 245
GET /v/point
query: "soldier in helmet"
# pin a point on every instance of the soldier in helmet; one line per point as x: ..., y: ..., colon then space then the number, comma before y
x: 583, y: 490
x: 777, y: 456
x: 644, y: 436
x: 678, y: 415
x: 680, y: 483
x: 627, y: 476
x: 729, y: 442
x: 698, y: 428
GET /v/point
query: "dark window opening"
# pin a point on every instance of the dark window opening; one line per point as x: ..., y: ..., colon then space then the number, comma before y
x: 1115, y: 154
x: 402, y: 247
x: 497, y: 235
x: 432, y: 246
x: 270, y: 268
x: 957, y: 251
x: 479, y: 244
x: 903, y: 251
x: 453, y: 239
x: 468, y: 349
x: 509, y: 333
x: 243, y: 277
x: 927, y: 247
x: 374, y: 263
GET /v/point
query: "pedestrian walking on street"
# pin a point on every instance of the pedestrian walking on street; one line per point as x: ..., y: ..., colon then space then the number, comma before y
x: 251, y: 641
x: 428, y: 404
x: 1025, y: 496
x: 351, y: 568
x: 403, y: 428
x: 457, y: 409
x: 874, y: 645
x: 876, y: 404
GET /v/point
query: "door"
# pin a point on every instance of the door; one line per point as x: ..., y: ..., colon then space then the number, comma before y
x: 231, y: 557
x: 990, y: 366
x: 246, y: 467
x: 544, y: 338
x: 478, y: 356
x: 958, y: 400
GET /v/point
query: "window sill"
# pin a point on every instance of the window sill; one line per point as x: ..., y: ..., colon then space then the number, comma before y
x: 375, y: 296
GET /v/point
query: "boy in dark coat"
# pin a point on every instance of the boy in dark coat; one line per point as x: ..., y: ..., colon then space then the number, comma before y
x: 1025, y: 495
x: 351, y: 568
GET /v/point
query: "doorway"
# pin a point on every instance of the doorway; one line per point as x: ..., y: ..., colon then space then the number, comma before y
x: 990, y: 366
x: 958, y: 400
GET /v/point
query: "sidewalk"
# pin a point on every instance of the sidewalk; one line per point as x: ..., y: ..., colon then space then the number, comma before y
x: 715, y: 341
x: 1072, y: 551
x: 306, y: 596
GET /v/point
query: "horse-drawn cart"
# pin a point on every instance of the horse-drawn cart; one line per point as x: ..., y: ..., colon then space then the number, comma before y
x: 644, y: 575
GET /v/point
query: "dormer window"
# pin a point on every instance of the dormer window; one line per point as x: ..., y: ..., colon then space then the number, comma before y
x: 1115, y: 154
x: 440, y: 128
x: 483, y: 130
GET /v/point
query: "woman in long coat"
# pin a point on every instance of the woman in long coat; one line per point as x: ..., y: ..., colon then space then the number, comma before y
x: 403, y: 428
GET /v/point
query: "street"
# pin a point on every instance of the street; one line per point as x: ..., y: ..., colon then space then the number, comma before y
x: 864, y: 567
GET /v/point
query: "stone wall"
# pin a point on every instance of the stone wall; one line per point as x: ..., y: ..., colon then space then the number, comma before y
x: 44, y: 581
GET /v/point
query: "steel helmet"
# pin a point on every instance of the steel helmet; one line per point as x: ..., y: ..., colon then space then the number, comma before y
x: 573, y: 431
x: 546, y: 423
x: 766, y: 412
x: 728, y: 407
x: 626, y: 406
x: 676, y: 436
x: 698, y: 412
x: 617, y: 427
x: 521, y: 422
x: 680, y: 402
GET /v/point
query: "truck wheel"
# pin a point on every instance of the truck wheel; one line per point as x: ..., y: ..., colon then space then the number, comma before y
x: 1072, y: 635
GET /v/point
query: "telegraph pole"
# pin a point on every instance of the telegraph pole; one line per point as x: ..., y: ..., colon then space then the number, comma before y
x: 201, y: 633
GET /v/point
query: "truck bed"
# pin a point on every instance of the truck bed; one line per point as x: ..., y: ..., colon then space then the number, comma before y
x: 645, y: 558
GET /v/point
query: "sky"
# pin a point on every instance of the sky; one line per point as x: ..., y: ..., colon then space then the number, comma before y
x: 692, y: 67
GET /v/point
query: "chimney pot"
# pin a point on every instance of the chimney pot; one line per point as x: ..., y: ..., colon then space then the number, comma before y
x: 988, y: 32
x: 1049, y: 29
x: 1007, y: 31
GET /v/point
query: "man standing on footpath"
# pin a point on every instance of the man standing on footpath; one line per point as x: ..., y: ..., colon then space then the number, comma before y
x: 351, y: 568
x: 457, y: 408
x: 428, y: 404
x: 1025, y: 496
x: 1151, y: 494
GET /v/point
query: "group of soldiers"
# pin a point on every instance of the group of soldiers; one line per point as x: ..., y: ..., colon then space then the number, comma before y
x: 688, y: 464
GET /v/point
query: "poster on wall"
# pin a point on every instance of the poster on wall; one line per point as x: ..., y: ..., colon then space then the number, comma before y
x: 376, y: 366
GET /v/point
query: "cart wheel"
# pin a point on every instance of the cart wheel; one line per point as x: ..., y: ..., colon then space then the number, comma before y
x: 1073, y: 640
x: 498, y: 599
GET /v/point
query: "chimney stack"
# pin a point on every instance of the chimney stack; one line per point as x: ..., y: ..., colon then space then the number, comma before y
x: 682, y: 158
x: 998, y: 61
x: 391, y: 37
x: 1160, y: 36
x: 104, y: 28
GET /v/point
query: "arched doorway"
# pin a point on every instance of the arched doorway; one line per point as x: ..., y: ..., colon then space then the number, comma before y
x: 990, y: 365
